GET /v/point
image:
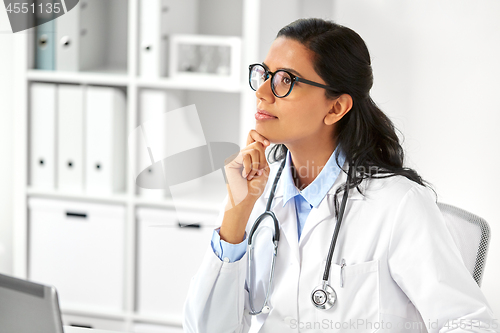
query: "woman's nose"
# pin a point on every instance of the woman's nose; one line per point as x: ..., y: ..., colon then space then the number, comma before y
x: 265, y: 92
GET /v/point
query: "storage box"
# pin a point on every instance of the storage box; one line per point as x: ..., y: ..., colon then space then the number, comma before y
x: 94, y: 323
x: 150, y: 328
x: 78, y: 248
x: 169, y: 254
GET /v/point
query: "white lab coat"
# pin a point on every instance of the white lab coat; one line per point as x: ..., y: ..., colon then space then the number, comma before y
x: 403, y: 271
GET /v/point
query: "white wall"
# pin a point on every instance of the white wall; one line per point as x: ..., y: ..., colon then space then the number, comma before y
x: 6, y: 138
x: 437, y: 75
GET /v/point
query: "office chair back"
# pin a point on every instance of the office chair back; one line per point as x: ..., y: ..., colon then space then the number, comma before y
x: 471, y: 235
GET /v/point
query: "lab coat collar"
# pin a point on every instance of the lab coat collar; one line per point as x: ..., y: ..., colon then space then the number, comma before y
x: 354, y: 194
x: 287, y: 215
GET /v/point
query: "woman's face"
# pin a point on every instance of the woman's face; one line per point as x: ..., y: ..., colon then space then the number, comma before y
x: 299, y: 116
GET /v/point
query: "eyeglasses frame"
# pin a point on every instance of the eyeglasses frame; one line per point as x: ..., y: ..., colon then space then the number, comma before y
x: 294, y: 78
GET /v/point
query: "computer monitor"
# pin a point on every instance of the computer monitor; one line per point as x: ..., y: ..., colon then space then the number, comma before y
x: 27, y: 307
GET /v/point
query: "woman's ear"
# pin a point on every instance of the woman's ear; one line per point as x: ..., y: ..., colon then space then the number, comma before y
x: 340, y: 106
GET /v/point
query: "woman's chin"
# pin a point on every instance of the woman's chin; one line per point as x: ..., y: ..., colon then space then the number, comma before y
x: 264, y: 132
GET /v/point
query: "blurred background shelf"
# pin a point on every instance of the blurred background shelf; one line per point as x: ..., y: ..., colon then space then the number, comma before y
x: 132, y: 244
x: 56, y: 194
x: 120, y: 78
x: 168, y: 203
x: 113, y: 78
x: 192, y: 84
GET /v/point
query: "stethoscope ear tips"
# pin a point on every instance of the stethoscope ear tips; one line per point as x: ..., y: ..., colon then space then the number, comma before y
x: 266, y: 309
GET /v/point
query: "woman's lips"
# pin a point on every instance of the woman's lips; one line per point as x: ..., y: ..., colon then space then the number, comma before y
x: 261, y: 115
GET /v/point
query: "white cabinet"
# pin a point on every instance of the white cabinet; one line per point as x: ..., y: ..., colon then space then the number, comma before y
x: 78, y: 248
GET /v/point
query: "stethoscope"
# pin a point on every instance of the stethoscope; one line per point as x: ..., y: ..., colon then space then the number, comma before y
x: 323, y: 296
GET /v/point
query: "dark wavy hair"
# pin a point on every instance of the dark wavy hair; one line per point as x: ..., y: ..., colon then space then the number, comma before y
x: 365, y: 134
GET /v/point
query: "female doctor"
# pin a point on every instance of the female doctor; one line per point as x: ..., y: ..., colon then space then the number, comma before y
x: 375, y: 256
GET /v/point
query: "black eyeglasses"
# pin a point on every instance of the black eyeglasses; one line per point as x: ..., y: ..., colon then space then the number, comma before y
x: 282, y: 81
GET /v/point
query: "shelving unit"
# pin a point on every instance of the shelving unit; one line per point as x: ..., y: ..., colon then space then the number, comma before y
x: 256, y: 23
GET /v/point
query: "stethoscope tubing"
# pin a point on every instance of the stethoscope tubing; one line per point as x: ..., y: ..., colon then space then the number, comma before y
x: 271, y: 276
x: 329, y: 258
x: 276, y: 237
x: 268, y: 211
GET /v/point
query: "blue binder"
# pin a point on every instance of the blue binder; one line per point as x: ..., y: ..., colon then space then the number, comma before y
x: 45, y: 42
x: 45, y: 46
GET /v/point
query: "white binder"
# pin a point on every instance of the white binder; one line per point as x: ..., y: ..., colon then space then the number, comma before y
x: 70, y: 138
x: 158, y: 19
x: 42, y: 135
x: 152, y: 45
x: 153, y: 105
x: 68, y: 40
x: 105, y: 140
x: 94, y: 47
x: 81, y: 41
x: 177, y: 131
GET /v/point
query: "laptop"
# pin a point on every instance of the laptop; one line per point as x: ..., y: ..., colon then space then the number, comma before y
x: 28, y: 307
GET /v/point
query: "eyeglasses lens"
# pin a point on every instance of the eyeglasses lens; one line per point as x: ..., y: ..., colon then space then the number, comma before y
x: 257, y: 77
x: 282, y: 83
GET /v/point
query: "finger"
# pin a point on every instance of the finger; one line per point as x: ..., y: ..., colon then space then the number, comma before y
x: 264, y: 171
x: 262, y: 154
x: 254, y: 162
x: 254, y: 136
x: 257, y: 169
x: 247, y: 164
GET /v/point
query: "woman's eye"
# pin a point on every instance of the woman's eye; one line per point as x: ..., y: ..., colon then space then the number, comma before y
x: 287, y: 80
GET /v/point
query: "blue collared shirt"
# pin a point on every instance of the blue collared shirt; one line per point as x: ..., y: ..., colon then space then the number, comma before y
x: 305, y: 200
x: 314, y: 193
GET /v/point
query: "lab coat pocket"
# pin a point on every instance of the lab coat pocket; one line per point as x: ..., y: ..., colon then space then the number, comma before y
x: 357, y: 305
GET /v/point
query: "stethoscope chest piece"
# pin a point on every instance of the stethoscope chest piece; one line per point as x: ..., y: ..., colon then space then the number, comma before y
x: 323, y: 296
